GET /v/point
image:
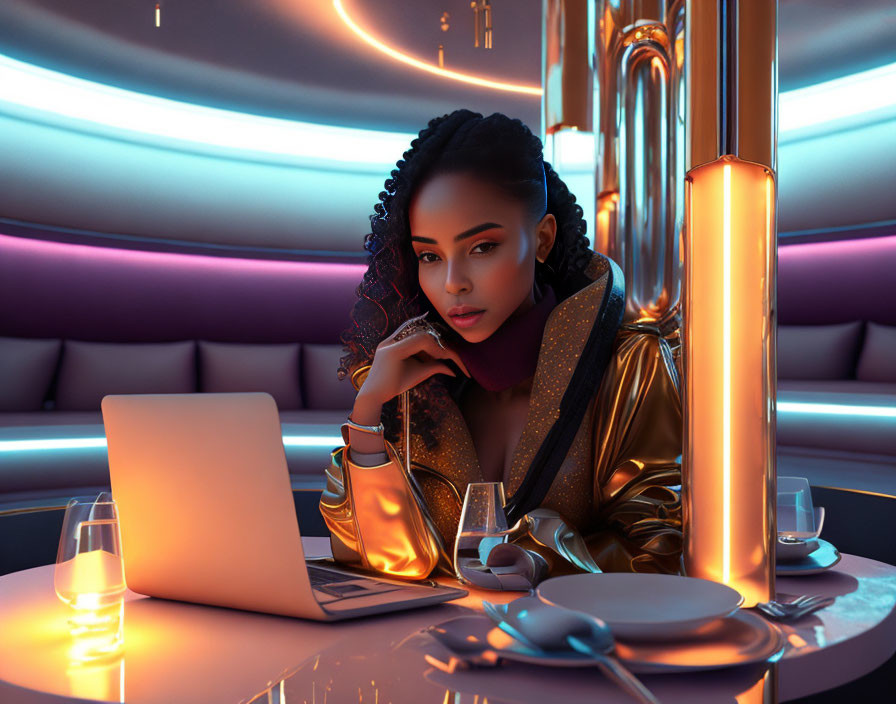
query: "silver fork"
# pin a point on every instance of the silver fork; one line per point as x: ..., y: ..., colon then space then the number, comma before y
x: 792, y: 610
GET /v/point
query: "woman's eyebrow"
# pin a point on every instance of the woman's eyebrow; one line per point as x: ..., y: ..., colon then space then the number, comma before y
x: 463, y: 235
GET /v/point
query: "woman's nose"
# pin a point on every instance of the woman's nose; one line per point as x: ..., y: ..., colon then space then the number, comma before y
x: 457, y: 280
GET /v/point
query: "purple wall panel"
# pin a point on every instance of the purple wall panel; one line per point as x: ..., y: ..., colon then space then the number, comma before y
x: 835, y: 282
x: 52, y: 289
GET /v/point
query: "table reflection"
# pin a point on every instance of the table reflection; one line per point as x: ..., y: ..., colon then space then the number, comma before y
x: 355, y: 671
x: 177, y: 652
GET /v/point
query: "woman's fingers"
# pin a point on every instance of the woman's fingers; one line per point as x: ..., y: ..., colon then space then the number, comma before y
x: 424, y: 342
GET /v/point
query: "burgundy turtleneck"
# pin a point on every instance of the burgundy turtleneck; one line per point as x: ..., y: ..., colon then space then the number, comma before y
x: 510, y: 354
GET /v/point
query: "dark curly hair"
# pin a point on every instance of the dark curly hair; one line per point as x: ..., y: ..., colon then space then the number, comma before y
x: 497, y: 149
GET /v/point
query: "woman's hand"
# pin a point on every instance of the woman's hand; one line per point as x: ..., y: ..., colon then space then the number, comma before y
x: 398, y: 365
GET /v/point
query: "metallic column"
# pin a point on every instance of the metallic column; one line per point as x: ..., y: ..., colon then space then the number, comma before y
x: 730, y: 255
x: 640, y: 126
x: 567, y: 62
x: 567, y: 98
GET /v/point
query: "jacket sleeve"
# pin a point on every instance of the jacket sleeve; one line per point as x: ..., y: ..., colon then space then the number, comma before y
x: 375, y: 519
x: 638, y: 446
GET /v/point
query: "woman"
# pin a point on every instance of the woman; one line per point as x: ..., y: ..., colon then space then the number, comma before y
x: 483, y: 300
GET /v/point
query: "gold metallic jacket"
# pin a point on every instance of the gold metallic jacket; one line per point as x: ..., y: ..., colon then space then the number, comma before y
x: 617, y: 487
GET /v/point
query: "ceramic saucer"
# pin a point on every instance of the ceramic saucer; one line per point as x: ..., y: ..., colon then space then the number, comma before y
x: 822, y: 558
x: 798, y: 549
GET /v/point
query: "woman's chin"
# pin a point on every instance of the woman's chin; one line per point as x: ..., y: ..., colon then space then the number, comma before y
x: 477, y: 334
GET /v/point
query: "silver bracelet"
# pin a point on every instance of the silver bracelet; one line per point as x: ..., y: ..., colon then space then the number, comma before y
x: 372, y: 429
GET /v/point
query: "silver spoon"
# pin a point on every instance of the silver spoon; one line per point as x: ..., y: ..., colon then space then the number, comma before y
x: 542, y: 627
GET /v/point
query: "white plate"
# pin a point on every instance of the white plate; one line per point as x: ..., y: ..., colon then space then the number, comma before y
x: 741, y: 639
x: 643, y: 606
x: 822, y: 558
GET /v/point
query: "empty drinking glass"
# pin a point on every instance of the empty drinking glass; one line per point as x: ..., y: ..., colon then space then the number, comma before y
x: 482, y: 526
x: 796, y: 516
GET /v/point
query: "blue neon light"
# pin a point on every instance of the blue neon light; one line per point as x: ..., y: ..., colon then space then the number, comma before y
x: 35, y: 90
x: 836, y: 409
x: 329, y: 441
x: 44, y: 92
x: 842, y: 102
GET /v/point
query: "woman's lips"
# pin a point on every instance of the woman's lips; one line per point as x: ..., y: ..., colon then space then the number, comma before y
x: 467, y: 319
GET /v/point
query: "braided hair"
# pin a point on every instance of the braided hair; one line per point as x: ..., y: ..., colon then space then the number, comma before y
x: 500, y: 150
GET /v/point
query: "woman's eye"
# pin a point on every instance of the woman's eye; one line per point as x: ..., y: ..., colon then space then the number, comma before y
x: 484, y: 247
x: 426, y: 257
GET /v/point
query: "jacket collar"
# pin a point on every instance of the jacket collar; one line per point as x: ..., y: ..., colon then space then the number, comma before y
x: 565, y: 334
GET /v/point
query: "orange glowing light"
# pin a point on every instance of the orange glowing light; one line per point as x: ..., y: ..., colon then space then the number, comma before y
x: 729, y: 375
x: 426, y: 66
x: 796, y: 640
x: 90, y: 580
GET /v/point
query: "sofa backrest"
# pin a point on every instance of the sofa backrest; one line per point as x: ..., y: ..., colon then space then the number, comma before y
x: 74, y: 375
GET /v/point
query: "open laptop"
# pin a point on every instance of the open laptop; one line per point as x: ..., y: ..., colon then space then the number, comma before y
x: 207, y: 514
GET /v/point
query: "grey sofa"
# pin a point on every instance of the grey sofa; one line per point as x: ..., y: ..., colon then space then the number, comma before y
x: 51, y: 428
x: 81, y: 321
x: 837, y: 405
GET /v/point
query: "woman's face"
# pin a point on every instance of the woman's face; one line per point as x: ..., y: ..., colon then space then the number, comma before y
x: 476, y: 249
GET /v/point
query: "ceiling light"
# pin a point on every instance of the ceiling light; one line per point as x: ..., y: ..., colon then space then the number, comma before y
x: 425, y: 66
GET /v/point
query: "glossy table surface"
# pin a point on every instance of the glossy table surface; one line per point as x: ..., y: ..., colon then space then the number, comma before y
x: 175, y: 652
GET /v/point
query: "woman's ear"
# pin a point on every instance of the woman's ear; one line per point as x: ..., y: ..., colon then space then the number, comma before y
x: 545, y: 234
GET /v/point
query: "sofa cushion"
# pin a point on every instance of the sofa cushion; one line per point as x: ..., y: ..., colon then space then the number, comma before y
x: 27, y: 369
x: 323, y: 389
x: 91, y: 370
x: 878, y: 359
x: 818, y: 351
x: 227, y: 367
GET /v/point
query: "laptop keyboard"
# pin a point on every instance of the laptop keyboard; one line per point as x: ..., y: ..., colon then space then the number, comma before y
x: 320, y: 577
x: 332, y: 583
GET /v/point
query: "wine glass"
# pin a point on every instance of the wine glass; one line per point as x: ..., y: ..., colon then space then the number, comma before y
x: 483, y: 525
x: 89, y: 574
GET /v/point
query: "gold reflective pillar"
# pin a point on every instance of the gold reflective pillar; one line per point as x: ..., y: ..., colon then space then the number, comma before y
x: 730, y: 256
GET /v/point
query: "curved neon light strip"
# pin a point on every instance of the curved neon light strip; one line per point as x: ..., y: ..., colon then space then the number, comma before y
x: 82, y: 443
x: 821, y: 409
x: 23, y: 85
x: 30, y: 90
x: 425, y: 66
x: 841, y: 100
x: 836, y: 409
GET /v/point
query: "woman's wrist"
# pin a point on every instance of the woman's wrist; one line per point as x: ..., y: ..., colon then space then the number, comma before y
x: 366, y: 411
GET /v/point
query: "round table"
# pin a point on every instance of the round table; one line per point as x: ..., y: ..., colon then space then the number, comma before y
x: 185, y: 653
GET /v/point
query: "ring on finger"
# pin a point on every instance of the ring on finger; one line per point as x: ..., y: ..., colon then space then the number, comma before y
x: 419, y: 326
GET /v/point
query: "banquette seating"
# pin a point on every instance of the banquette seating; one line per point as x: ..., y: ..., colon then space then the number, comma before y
x: 837, y: 363
x: 78, y: 322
